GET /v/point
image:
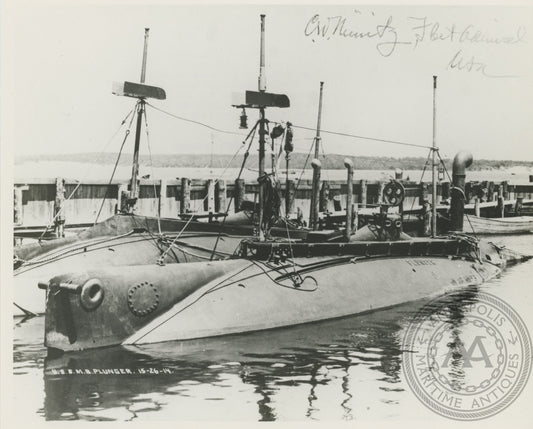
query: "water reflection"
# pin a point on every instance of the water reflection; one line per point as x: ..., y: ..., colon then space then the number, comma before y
x: 261, y: 367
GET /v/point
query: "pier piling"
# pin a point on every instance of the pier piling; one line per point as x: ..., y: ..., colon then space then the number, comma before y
x: 185, y: 200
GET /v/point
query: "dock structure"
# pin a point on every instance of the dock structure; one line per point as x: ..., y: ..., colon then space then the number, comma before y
x: 57, y: 205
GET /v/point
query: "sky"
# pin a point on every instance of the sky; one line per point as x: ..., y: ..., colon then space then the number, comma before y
x: 60, y: 59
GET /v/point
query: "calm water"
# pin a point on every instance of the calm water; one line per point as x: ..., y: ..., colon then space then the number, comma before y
x: 85, y: 171
x: 338, y: 370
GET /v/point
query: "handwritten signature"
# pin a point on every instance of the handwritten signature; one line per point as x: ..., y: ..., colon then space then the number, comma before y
x: 336, y: 26
x: 420, y: 30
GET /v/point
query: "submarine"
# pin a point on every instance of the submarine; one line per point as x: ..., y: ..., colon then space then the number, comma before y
x: 271, y: 282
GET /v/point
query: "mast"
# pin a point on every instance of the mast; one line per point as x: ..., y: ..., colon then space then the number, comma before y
x: 434, y: 165
x: 134, y: 186
x: 261, y: 100
x: 313, y: 216
x: 262, y: 131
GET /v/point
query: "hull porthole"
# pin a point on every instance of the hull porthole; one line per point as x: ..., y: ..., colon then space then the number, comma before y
x: 143, y: 299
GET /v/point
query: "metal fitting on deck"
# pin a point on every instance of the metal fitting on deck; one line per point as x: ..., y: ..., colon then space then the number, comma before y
x: 91, y: 295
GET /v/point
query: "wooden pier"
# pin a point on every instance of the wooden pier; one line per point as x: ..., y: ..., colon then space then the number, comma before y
x: 68, y: 204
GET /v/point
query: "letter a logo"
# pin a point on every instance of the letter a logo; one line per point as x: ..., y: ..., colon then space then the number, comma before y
x: 467, y: 355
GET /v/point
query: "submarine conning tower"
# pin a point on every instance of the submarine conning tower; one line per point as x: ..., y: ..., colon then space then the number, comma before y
x: 461, y: 162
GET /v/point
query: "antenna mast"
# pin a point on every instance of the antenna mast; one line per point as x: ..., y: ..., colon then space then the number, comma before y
x: 262, y: 131
x: 134, y: 185
x: 434, y: 150
x: 313, y: 217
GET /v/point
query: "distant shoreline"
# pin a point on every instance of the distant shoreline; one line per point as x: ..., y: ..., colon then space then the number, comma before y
x: 297, y: 161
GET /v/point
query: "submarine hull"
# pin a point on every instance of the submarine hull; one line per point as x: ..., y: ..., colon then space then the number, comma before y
x: 150, y: 304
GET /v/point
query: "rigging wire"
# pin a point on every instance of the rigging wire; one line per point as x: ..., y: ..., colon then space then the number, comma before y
x: 152, y: 171
x: 338, y: 133
x: 163, y: 255
x: 181, y: 118
x: 252, y: 133
x: 421, y: 178
x: 342, y: 134
x: 84, y: 176
x: 116, y: 164
x: 303, y: 168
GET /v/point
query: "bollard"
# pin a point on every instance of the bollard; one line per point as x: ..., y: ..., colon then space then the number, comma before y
x: 398, y: 174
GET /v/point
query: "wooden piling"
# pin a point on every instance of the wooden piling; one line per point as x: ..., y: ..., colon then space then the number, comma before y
x: 349, y: 200
x: 18, y: 218
x: 185, y: 200
x: 505, y: 188
x: 445, y: 190
x: 289, y: 197
x: 468, y: 192
x: 209, y: 204
x: 122, y: 198
x: 422, y: 194
x: 381, y: 186
x: 477, y: 209
x: 59, y: 213
x: 221, y: 196
x: 363, y: 195
x: 518, y: 205
x: 238, y: 194
x: 501, y: 207
x: 490, y: 191
x: 162, y: 197
x: 337, y: 203
x: 427, y: 213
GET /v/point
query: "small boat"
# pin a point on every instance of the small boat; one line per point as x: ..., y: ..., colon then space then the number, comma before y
x: 270, y: 282
x: 508, y: 225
